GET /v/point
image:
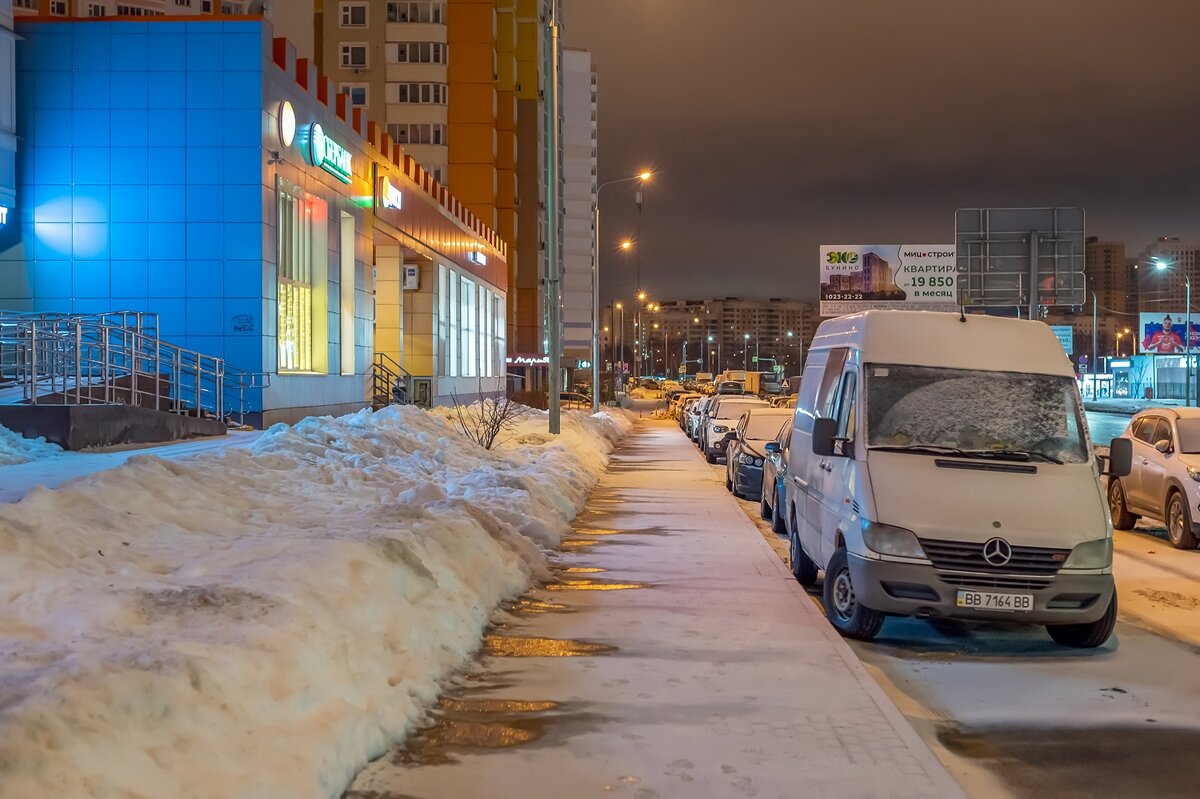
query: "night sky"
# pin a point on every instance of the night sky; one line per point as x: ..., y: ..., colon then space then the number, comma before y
x: 779, y: 125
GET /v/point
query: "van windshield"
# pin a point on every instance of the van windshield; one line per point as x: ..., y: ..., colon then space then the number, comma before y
x: 997, y: 414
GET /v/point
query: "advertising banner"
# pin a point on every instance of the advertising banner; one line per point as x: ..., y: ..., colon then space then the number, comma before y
x: 1162, y: 334
x: 1066, y: 336
x: 912, y: 277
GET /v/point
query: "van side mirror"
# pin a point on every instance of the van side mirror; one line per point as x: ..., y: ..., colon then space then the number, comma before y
x: 1120, y: 457
x: 772, y: 447
x: 823, y: 435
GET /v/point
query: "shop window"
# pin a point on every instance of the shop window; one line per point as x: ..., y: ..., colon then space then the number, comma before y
x: 468, y: 305
x: 302, y: 282
x: 354, y: 15
x: 354, y: 55
x: 346, y: 292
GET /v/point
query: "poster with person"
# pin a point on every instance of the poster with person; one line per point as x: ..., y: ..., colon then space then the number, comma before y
x: 1162, y: 334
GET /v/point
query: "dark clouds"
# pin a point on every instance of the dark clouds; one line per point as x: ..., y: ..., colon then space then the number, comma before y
x: 779, y: 125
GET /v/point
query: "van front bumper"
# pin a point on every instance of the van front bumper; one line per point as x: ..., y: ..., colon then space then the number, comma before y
x: 914, y: 589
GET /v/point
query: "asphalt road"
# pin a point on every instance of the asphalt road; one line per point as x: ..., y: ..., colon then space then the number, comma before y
x: 1104, y: 427
x: 1010, y: 713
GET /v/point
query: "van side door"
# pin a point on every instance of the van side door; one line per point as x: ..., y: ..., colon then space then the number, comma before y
x: 838, y: 484
x: 801, y: 461
x: 819, y: 474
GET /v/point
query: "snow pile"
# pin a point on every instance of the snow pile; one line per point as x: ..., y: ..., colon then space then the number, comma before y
x: 15, y: 448
x: 258, y: 623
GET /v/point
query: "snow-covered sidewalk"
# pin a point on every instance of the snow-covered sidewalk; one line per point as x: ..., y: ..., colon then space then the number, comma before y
x: 260, y: 620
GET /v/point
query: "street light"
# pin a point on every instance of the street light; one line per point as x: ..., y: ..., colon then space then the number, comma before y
x: 746, y: 353
x: 1187, y: 330
x: 1119, y: 334
x: 642, y: 176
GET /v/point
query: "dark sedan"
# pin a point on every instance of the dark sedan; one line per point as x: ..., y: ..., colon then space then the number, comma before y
x: 746, y: 448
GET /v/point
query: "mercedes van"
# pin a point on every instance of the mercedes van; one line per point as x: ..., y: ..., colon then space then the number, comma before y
x: 940, y: 466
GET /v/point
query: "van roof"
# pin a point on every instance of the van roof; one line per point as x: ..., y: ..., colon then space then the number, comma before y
x: 931, y: 338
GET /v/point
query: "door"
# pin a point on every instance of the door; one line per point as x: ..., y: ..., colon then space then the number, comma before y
x: 1155, y: 466
x: 820, y: 467
x: 1141, y: 431
x: 836, y: 485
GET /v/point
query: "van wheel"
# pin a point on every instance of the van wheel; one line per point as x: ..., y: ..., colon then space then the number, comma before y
x: 778, y: 525
x: 848, y: 616
x: 1179, y: 523
x: 1086, y: 636
x: 803, y: 567
x: 1122, y: 519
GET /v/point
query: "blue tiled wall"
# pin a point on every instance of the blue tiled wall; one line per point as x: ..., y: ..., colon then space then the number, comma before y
x: 140, y: 178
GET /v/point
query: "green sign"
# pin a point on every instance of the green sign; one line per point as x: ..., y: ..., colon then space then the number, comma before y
x: 324, y: 152
x: 754, y: 359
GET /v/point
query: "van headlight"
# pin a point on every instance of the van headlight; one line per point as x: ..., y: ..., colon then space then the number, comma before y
x: 1091, y: 555
x: 888, y: 540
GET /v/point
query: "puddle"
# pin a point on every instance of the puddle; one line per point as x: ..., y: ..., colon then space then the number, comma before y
x: 531, y: 605
x: 598, y: 531
x: 512, y: 646
x: 583, y: 570
x: 594, y: 584
x: 578, y: 543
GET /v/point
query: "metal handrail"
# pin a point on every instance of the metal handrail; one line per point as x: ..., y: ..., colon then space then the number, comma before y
x: 87, y: 359
x: 384, y: 373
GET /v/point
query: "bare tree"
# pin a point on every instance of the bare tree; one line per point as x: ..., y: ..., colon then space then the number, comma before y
x: 485, y: 420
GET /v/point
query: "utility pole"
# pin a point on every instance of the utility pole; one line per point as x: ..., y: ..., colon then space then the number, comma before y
x: 554, y: 267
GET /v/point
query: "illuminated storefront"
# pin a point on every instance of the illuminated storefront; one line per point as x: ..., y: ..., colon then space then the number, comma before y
x: 199, y: 171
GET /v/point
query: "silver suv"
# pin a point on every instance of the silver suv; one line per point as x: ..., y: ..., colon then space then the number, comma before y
x: 1165, y: 481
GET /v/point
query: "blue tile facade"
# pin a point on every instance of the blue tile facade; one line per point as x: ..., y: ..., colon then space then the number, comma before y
x: 141, y: 179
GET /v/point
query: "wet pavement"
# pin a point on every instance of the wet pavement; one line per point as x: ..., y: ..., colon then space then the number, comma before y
x: 675, y: 657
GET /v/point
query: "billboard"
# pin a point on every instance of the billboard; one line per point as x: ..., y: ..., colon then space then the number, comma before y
x: 912, y: 277
x: 1162, y: 333
x: 1066, y: 337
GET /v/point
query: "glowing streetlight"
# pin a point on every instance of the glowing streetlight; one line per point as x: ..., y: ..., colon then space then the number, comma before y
x: 627, y: 244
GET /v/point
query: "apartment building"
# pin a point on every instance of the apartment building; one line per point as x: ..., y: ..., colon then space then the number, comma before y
x: 135, y: 8
x: 462, y: 87
x: 579, y: 201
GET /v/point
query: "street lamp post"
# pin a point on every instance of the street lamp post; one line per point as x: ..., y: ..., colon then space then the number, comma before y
x: 643, y: 177
x: 619, y: 371
x: 746, y: 353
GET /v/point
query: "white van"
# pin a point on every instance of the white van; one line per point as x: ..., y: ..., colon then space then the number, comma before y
x: 940, y: 466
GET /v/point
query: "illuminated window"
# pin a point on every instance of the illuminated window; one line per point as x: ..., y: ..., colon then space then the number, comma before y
x: 356, y: 94
x: 300, y: 219
x: 468, y: 304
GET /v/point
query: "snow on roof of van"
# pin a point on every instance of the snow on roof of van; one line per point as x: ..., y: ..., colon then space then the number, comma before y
x: 932, y: 338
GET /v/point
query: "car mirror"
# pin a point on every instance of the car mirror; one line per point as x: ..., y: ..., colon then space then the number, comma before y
x: 772, y: 447
x: 823, y: 435
x: 1120, y: 457
x: 1163, y: 446
x: 731, y: 435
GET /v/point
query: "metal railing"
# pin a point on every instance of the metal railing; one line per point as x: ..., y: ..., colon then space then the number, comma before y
x: 384, y: 374
x: 117, y: 358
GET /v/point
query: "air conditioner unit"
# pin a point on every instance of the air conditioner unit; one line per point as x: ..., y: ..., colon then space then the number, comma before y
x: 411, y: 278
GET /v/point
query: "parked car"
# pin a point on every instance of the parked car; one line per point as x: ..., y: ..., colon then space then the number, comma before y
x: 685, y: 410
x: 950, y: 479
x: 730, y: 387
x: 774, y: 480
x: 574, y: 401
x: 696, y: 417
x: 1165, y: 481
x: 745, y: 449
x: 675, y: 409
x: 783, y: 401
x: 722, y: 415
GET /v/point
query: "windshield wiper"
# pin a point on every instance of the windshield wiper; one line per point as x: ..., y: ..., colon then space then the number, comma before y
x: 991, y: 454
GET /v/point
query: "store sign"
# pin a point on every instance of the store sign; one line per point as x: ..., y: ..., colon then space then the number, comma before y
x: 528, y: 360
x: 1162, y: 333
x: 477, y: 258
x: 287, y: 124
x: 861, y: 277
x: 389, y: 195
x: 324, y: 152
x: 1115, y: 364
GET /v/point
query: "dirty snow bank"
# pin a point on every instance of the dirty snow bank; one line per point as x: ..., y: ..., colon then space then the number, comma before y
x: 15, y: 448
x: 257, y: 623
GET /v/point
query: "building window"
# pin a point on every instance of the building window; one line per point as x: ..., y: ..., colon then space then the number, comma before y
x: 416, y: 12
x: 302, y: 241
x: 96, y: 10
x: 356, y: 94
x: 417, y: 52
x: 417, y: 133
x: 29, y: 5
x: 435, y: 93
x: 354, y: 15
x: 468, y: 305
x: 354, y: 55
x: 58, y: 8
x: 185, y: 3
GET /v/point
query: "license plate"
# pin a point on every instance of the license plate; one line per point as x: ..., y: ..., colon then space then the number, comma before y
x: 988, y: 600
